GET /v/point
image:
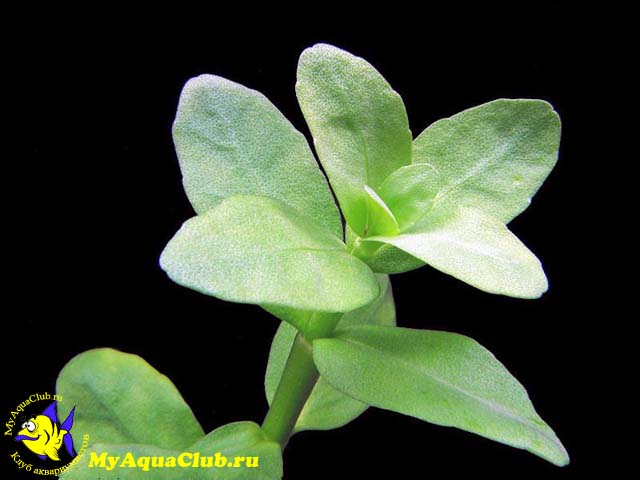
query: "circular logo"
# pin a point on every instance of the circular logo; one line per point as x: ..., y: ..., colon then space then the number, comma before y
x: 42, y: 443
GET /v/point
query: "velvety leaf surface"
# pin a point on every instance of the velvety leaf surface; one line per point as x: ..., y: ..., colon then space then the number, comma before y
x: 439, y: 377
x: 232, y: 140
x: 476, y: 249
x: 493, y: 157
x: 120, y: 398
x: 358, y: 122
x: 259, y: 250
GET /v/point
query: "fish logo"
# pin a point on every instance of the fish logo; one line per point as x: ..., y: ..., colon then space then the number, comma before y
x: 44, y: 437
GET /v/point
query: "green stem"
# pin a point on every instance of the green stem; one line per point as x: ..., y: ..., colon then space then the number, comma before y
x: 299, y: 377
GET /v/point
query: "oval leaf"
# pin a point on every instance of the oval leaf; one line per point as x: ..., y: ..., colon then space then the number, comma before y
x: 327, y: 408
x: 476, y: 249
x: 359, y: 124
x: 493, y: 157
x: 242, y: 439
x: 120, y: 398
x: 232, y: 140
x: 261, y: 251
x: 439, y: 377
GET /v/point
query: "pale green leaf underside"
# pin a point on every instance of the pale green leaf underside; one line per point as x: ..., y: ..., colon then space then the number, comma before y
x: 439, y: 377
x: 326, y: 407
x: 409, y: 192
x: 258, y: 250
x: 242, y: 439
x: 478, y: 250
x: 232, y: 140
x: 120, y: 398
x: 493, y: 157
x: 358, y: 122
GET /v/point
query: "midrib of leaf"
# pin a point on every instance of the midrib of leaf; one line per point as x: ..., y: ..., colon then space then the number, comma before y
x: 477, y: 249
x: 491, y: 405
x: 115, y: 420
x: 260, y: 254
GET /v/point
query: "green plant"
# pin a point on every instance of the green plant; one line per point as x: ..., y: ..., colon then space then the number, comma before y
x: 268, y: 232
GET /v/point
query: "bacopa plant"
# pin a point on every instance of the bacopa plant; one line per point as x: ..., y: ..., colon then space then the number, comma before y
x: 268, y: 232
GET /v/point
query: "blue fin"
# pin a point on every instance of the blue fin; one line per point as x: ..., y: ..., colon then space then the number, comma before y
x: 50, y: 412
x: 41, y: 457
x: 68, y: 444
x: 68, y: 439
x: 68, y: 423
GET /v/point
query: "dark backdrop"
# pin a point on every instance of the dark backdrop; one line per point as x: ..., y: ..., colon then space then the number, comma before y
x: 96, y: 193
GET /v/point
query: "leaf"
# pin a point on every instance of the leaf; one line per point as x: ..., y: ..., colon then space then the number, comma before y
x: 385, y: 258
x: 493, y: 157
x: 120, y: 398
x: 380, y: 220
x: 478, y: 250
x: 359, y: 124
x: 261, y: 251
x: 327, y: 408
x: 231, y: 140
x: 242, y: 439
x: 409, y: 192
x: 439, y: 377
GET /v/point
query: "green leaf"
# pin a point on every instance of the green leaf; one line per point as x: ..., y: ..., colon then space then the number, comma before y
x: 409, y: 192
x: 384, y: 258
x: 380, y: 220
x: 493, y: 157
x: 359, y: 125
x: 439, y: 377
x: 477, y: 249
x: 231, y: 140
x: 259, y: 250
x: 120, y: 398
x: 327, y: 408
x: 242, y: 439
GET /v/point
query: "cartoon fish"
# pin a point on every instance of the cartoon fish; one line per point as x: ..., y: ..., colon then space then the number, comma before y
x: 43, y: 436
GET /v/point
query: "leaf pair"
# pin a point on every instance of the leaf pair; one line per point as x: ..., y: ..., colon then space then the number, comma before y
x: 268, y: 231
x: 440, y: 377
x: 445, y: 198
x: 125, y: 405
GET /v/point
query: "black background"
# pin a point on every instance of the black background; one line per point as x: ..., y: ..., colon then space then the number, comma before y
x: 93, y: 193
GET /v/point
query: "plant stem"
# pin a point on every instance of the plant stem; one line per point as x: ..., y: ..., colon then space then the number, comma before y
x: 299, y: 377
